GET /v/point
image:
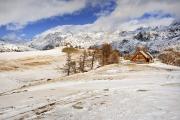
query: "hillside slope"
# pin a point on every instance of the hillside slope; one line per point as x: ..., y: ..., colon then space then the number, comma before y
x: 120, y: 92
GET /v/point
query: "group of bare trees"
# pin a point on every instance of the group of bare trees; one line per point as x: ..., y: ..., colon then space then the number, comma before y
x: 87, y: 59
x: 83, y: 63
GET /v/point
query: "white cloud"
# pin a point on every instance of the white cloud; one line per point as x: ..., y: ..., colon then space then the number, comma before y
x: 14, y: 37
x: 102, y: 13
x: 128, y: 10
x: 16, y: 13
x: 14, y: 26
x: 11, y: 36
x: 152, y: 22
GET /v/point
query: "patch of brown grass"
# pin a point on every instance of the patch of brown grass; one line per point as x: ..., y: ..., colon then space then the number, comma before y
x: 36, y: 61
x: 70, y: 50
x: 25, y: 63
x: 7, y: 68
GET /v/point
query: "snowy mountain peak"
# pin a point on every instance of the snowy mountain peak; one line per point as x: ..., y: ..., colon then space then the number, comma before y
x: 156, y: 39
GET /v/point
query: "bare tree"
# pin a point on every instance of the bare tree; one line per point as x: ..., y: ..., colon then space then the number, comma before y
x: 93, y: 59
x: 80, y: 64
x: 82, y: 61
x: 67, y: 66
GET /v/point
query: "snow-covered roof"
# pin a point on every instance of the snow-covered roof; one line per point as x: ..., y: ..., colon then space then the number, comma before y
x: 144, y: 54
x: 149, y: 54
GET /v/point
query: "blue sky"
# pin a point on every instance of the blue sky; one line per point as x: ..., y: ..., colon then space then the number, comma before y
x: 87, y: 15
x: 22, y: 20
x: 83, y: 17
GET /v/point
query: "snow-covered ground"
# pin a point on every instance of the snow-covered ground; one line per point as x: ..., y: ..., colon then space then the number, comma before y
x: 114, y: 92
x: 25, y: 68
x: 18, y: 55
x: 10, y: 47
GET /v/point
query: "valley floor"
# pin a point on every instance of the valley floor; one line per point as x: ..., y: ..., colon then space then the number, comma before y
x: 114, y: 92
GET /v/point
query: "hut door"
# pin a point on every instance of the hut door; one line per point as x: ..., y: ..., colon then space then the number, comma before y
x: 147, y: 60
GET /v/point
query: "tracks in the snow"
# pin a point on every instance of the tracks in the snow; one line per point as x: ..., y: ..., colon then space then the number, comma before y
x: 33, y: 112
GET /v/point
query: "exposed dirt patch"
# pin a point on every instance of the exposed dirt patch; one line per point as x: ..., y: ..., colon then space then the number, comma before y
x: 106, y: 89
x: 78, y: 105
x: 172, y: 84
x: 142, y: 90
x: 44, y: 109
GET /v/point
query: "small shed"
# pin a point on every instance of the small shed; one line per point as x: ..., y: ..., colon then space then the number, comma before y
x: 142, y: 56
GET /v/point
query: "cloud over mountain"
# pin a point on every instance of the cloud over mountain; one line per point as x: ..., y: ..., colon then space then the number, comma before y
x: 130, y: 10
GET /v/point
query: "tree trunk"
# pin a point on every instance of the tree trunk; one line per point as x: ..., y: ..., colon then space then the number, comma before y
x: 93, y: 59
